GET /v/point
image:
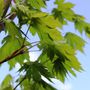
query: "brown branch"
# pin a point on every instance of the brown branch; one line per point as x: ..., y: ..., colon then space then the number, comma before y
x: 14, y: 54
x: 20, y: 51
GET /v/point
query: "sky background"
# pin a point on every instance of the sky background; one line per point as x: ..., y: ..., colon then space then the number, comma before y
x: 82, y: 81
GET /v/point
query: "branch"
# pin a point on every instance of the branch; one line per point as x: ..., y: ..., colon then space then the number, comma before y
x: 14, y: 54
x: 20, y: 51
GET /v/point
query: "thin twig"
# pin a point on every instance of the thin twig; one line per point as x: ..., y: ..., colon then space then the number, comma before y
x: 34, y: 51
x: 8, y: 15
x: 26, y: 35
x: 35, y: 42
x: 32, y: 46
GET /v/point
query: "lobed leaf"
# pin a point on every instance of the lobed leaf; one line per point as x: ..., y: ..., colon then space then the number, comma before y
x: 75, y: 41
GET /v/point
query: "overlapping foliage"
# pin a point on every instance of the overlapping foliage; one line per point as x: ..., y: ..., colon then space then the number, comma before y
x: 58, y: 52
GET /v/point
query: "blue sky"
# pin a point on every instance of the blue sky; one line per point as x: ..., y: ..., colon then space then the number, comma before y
x: 82, y: 81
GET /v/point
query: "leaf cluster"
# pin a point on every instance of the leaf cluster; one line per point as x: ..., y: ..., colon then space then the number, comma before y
x: 58, y: 53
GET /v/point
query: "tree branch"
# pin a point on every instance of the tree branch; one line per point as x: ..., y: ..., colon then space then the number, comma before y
x: 14, y: 54
x: 20, y: 51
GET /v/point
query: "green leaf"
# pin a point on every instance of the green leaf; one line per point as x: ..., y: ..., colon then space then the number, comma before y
x: 69, y: 68
x: 35, y: 70
x: 37, y: 14
x: 7, y: 88
x: 11, y: 45
x: 46, y: 86
x: 75, y: 41
x: 25, y: 85
x: 69, y: 5
x: 87, y: 29
x: 59, y: 15
x: 36, y: 3
x: 75, y: 63
x: 12, y: 29
x: 1, y: 7
x: 67, y: 54
x: 24, y: 9
x: 6, y: 82
x: 44, y: 59
x: 59, y: 69
x: 42, y: 85
x: 64, y: 5
x: 66, y: 9
x: 33, y: 31
x: 65, y: 49
x: 79, y: 25
x: 57, y: 37
x: 43, y: 26
x: 51, y: 22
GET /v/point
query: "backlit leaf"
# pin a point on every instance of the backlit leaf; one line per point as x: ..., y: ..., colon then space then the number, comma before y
x: 75, y: 41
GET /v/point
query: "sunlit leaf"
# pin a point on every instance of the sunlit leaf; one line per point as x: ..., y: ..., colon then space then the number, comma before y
x: 36, y: 3
x: 6, y: 84
x: 75, y: 41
